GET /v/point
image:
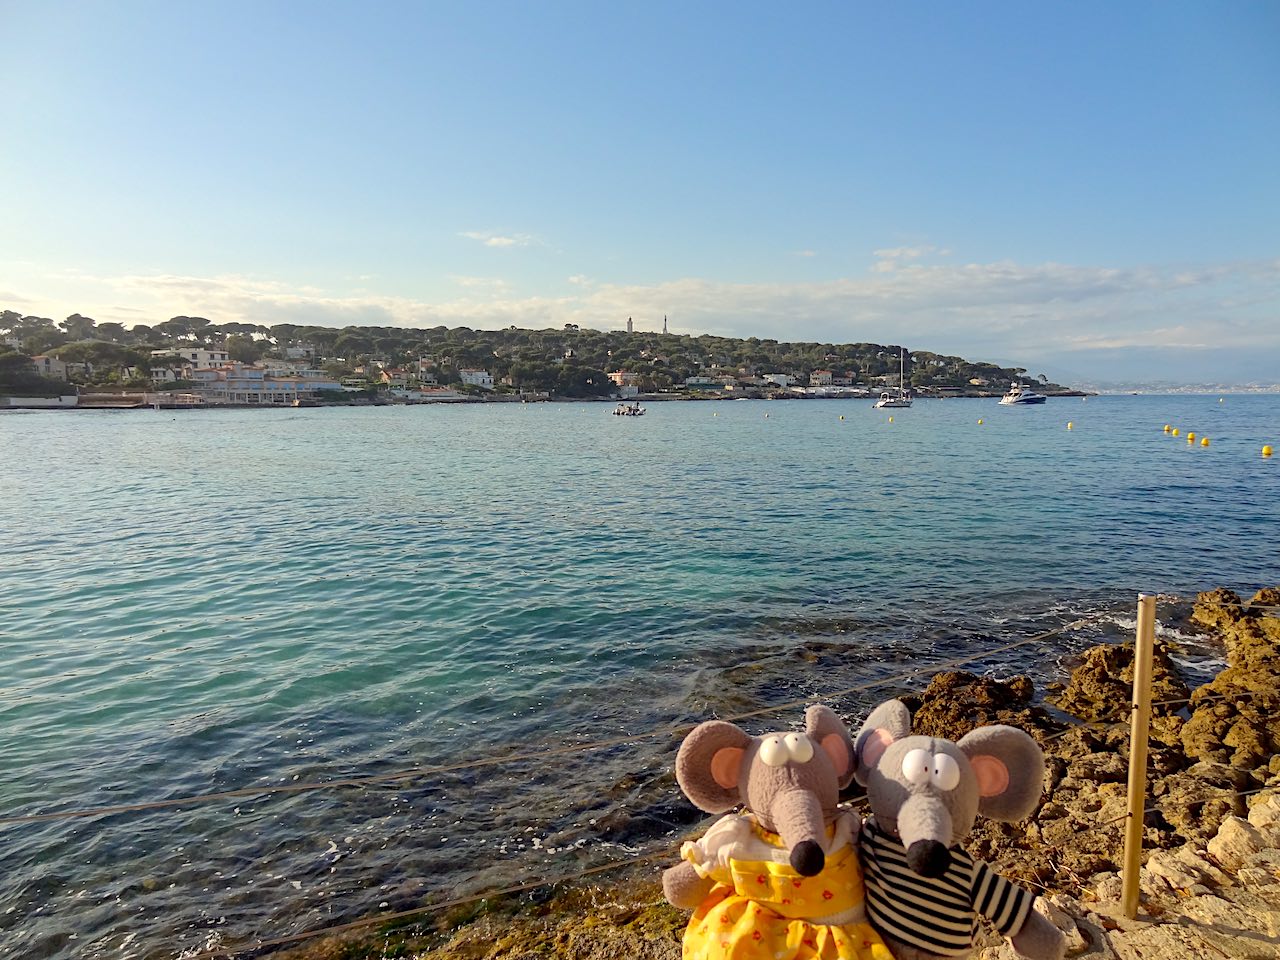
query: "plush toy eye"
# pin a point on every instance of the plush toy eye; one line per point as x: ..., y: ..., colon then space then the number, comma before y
x: 946, y: 772
x: 799, y: 746
x: 774, y: 752
x: 917, y: 765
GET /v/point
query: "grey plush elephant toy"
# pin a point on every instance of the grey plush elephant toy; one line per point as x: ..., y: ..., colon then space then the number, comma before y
x: 924, y: 893
x: 781, y: 880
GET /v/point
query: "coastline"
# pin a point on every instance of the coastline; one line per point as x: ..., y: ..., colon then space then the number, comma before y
x: 1211, y: 880
x: 128, y: 402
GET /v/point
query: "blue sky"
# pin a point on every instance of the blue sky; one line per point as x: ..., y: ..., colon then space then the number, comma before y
x: 1088, y: 187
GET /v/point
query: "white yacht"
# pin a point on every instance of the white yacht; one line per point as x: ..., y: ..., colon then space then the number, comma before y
x: 1019, y: 394
x: 902, y: 399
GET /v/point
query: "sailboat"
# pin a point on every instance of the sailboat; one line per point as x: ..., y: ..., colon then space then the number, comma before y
x: 887, y: 399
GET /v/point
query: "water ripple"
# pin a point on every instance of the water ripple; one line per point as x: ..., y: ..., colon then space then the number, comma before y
x: 339, y: 593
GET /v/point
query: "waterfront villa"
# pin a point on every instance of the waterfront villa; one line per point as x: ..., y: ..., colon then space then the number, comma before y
x: 477, y: 378
x: 245, y: 383
x: 199, y: 358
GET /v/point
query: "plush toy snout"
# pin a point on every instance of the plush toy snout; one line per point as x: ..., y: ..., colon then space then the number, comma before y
x: 808, y: 858
x: 929, y: 858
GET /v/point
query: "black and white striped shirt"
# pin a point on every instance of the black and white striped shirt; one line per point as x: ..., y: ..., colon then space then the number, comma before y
x: 940, y: 914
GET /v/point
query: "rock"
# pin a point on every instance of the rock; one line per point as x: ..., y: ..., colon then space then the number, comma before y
x: 1101, y: 687
x: 1108, y: 887
x: 956, y: 702
x: 1195, y: 801
x: 1152, y: 884
x: 1237, y: 839
x: 1061, y: 911
x: 1197, y: 860
x: 1219, y: 609
x: 1264, y: 812
x: 1177, y: 872
x: 1100, y: 767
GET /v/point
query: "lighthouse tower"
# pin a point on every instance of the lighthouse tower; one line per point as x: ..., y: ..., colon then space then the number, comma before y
x: 629, y: 330
x: 664, y: 323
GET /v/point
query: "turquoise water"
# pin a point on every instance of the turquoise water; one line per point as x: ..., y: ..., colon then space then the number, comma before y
x: 207, y: 600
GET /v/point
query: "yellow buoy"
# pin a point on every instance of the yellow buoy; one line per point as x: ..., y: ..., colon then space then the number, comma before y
x: 1266, y: 451
x: 979, y: 423
x: 891, y: 419
x: 1204, y: 441
x: 1167, y: 428
x: 1070, y: 424
x: 1191, y: 437
x: 1175, y: 431
x: 842, y: 416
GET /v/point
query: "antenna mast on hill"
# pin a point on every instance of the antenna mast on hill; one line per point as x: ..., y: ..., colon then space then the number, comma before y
x: 664, y: 323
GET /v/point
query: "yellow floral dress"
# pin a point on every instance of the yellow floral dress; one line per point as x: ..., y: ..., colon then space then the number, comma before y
x: 761, y: 909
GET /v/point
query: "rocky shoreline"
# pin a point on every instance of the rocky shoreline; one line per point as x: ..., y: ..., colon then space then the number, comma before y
x: 1211, y: 880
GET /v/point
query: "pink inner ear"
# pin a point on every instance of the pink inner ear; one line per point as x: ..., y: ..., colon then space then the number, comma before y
x: 993, y: 775
x: 725, y: 766
x: 873, y: 748
x: 833, y: 744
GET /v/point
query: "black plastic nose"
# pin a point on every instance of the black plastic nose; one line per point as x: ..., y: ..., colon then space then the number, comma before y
x: 808, y: 858
x: 928, y: 858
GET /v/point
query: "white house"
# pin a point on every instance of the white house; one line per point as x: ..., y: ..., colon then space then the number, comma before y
x: 477, y: 378
x: 626, y: 378
x: 820, y: 378
x: 199, y: 357
x: 50, y: 367
x: 778, y: 379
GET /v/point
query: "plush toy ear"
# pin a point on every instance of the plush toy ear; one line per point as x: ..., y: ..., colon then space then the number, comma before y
x: 888, y: 722
x: 825, y: 729
x: 1009, y: 766
x: 709, y: 765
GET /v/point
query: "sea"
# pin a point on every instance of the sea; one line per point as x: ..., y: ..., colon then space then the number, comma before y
x: 479, y: 630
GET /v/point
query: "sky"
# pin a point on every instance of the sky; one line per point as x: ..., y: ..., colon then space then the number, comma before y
x: 1089, y: 189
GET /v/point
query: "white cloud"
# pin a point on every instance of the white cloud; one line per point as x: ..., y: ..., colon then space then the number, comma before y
x: 889, y: 259
x: 499, y: 240
x: 480, y: 283
x: 999, y: 310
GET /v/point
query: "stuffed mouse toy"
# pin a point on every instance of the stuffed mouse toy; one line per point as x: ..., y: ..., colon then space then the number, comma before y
x: 923, y: 892
x: 781, y: 880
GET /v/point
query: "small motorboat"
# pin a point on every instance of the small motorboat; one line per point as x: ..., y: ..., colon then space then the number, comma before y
x: 1020, y: 395
x: 628, y: 410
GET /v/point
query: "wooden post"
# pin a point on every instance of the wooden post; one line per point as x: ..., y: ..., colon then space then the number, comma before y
x: 1141, y: 723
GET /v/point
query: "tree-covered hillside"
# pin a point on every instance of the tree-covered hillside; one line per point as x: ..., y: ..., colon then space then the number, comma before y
x: 569, y: 361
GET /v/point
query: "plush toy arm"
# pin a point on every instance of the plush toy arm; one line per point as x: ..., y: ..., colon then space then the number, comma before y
x: 684, y: 888
x: 1039, y: 939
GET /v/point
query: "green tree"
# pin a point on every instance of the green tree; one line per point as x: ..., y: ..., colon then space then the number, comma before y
x: 244, y: 349
x: 78, y: 327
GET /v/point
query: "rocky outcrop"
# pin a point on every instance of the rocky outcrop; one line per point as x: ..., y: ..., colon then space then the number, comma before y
x: 1235, y: 718
x: 956, y: 702
x: 1101, y: 688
